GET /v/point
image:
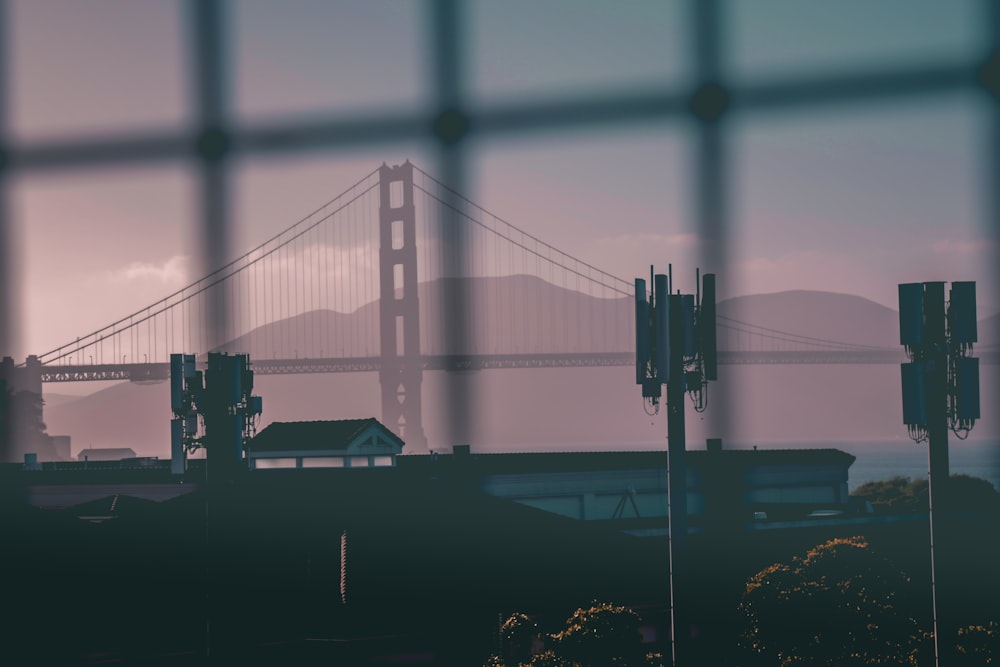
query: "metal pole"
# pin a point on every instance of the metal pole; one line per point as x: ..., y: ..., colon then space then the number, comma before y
x: 930, y: 514
x: 676, y: 482
x: 937, y: 436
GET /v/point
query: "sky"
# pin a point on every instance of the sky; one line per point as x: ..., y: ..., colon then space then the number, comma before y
x: 852, y: 199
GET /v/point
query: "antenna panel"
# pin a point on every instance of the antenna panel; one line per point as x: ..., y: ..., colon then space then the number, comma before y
x: 177, y: 446
x: 914, y: 393
x: 934, y: 319
x: 661, y: 328
x: 911, y: 314
x: 235, y: 437
x: 176, y: 383
x: 707, y: 340
x: 651, y: 388
x: 689, y: 346
x: 962, y: 312
x: 176, y: 434
x: 189, y: 369
x: 246, y: 381
x: 967, y: 399
x: 642, y: 325
x: 234, y: 378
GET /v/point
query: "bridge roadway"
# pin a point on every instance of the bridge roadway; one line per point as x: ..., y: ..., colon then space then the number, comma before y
x: 469, y: 363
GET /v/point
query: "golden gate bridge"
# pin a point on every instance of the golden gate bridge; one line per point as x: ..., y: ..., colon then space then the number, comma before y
x: 359, y: 285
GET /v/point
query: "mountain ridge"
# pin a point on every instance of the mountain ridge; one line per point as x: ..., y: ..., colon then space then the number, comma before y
x: 575, y: 406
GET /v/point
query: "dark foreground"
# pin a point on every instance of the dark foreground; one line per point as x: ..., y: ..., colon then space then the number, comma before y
x: 309, y: 569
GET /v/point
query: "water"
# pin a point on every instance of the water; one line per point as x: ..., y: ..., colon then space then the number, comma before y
x: 882, y: 460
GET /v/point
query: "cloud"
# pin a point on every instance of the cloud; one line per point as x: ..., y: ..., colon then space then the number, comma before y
x: 956, y: 248
x: 683, y: 241
x: 173, y: 271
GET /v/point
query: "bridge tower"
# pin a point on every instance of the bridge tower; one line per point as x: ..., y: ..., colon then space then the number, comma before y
x: 401, y: 371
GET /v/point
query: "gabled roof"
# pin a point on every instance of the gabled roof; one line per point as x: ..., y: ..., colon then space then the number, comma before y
x: 106, y: 453
x: 318, y: 435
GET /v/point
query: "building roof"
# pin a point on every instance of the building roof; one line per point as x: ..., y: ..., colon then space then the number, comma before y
x: 525, y: 462
x: 335, y: 434
x: 106, y: 453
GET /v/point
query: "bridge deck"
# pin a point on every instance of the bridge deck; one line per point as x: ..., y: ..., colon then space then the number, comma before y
x: 458, y: 363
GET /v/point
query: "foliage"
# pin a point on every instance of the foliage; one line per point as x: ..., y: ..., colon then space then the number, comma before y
x: 518, y: 633
x: 974, y: 493
x: 602, y: 635
x: 897, y: 495
x: 835, y: 606
x: 654, y: 660
x: 548, y: 658
x: 900, y: 495
x: 978, y: 645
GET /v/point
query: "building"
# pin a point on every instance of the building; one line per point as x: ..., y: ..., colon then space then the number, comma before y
x: 630, y: 488
x: 342, y: 443
x: 105, y: 454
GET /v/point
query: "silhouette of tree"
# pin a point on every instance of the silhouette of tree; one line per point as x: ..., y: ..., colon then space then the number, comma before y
x: 978, y: 645
x: 896, y: 495
x: 900, y: 495
x: 602, y: 635
x: 518, y: 633
x: 838, y: 605
x: 548, y: 658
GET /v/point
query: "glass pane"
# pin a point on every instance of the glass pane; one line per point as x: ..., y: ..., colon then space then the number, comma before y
x: 857, y: 202
x: 830, y: 213
x: 271, y: 195
x: 99, y: 245
x: 95, y: 67
x: 322, y: 461
x: 601, y: 207
x: 268, y: 464
x: 525, y: 48
x: 326, y: 56
x: 319, y: 272
x: 771, y: 38
x: 614, y: 199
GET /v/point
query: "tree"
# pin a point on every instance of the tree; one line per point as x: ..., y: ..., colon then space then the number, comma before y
x: 518, y: 634
x: 978, y: 645
x: 602, y: 635
x: 900, y: 495
x: 896, y: 495
x: 837, y: 605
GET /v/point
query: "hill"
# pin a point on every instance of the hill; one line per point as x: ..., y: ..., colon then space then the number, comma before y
x: 841, y: 317
x: 550, y: 408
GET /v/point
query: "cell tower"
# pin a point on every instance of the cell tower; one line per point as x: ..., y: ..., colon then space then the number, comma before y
x: 940, y: 391
x: 680, y: 323
x: 222, y: 398
x: 675, y: 345
x: 941, y: 380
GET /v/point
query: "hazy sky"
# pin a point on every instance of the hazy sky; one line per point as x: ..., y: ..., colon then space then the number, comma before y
x: 854, y: 199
